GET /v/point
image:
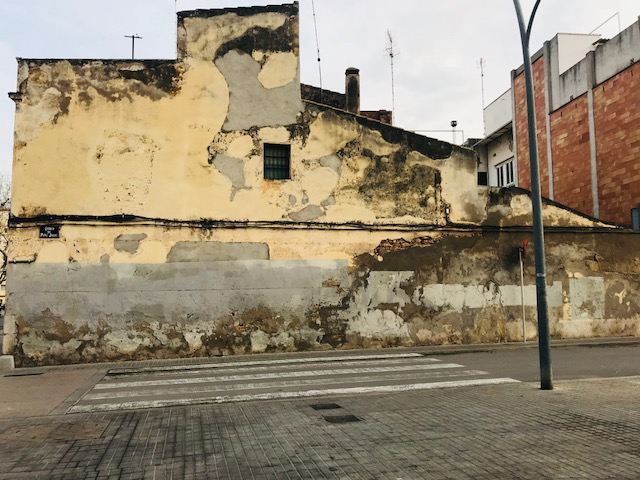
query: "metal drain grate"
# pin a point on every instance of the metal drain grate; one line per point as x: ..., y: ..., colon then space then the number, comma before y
x: 325, y: 406
x: 22, y: 374
x: 341, y: 418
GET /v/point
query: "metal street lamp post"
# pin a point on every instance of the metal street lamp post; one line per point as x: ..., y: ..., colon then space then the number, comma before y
x: 544, y: 348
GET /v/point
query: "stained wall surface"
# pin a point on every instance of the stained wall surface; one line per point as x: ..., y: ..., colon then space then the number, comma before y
x: 172, y: 243
x: 236, y: 291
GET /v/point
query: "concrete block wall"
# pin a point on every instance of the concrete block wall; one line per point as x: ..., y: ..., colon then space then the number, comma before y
x: 618, y: 53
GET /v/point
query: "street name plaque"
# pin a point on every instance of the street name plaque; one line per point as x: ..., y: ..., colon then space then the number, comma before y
x: 50, y: 231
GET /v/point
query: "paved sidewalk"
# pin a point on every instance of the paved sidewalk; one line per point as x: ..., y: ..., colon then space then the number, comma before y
x: 584, y: 429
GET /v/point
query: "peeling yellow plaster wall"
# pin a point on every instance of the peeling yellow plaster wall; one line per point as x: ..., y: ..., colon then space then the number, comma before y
x: 553, y: 216
x: 96, y: 244
x: 279, y: 69
x: 127, y: 156
x: 93, y: 139
x: 202, y: 37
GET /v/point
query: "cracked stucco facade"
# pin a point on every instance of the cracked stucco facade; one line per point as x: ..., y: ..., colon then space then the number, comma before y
x: 173, y: 244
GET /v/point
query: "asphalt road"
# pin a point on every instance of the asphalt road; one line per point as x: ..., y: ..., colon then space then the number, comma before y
x: 255, y: 378
x: 598, y: 361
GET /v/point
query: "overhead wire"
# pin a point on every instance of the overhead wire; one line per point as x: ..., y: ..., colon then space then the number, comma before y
x: 315, y: 25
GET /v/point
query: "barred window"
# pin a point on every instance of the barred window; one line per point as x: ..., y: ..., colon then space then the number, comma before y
x: 277, y: 160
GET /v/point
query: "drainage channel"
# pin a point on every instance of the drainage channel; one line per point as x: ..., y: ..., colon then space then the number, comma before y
x: 26, y: 374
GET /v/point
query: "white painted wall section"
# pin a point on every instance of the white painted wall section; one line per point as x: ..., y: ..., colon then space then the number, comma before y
x: 498, y: 151
x: 572, y: 48
x: 498, y: 113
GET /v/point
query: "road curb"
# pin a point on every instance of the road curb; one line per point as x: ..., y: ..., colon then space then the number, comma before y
x: 490, y: 347
x: 6, y: 363
x: 423, y: 350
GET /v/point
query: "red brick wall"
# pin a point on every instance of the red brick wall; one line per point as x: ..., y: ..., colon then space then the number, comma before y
x: 617, y: 123
x: 572, y: 156
x: 617, y: 119
x: 522, y: 136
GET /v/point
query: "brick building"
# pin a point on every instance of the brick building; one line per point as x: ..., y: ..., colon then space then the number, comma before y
x: 587, y: 95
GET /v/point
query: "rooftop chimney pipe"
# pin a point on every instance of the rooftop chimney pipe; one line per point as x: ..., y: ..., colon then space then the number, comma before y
x: 352, y: 90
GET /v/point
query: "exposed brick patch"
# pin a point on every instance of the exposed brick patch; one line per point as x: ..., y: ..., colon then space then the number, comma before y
x: 524, y: 176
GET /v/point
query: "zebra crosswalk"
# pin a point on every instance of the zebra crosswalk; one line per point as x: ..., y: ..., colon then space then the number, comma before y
x: 239, y: 380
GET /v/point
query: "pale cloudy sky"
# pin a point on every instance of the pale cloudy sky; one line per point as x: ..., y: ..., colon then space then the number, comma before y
x: 438, y: 46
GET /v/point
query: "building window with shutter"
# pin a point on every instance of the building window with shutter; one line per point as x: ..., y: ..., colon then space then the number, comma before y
x: 506, y: 174
x: 277, y: 161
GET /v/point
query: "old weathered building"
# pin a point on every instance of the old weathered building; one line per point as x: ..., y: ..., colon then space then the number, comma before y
x: 201, y: 207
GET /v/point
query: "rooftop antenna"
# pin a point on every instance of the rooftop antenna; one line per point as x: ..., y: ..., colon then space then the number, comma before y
x: 315, y: 24
x: 482, y: 64
x: 133, y: 44
x: 393, y: 92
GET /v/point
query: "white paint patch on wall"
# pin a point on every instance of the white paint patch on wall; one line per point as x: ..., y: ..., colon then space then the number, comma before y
x: 458, y: 297
x: 379, y: 324
x: 386, y: 287
x: 368, y: 319
x: 376, y: 310
x: 587, y: 297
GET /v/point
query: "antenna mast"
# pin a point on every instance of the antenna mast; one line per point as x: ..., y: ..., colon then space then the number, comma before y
x: 315, y: 25
x: 482, y: 65
x: 133, y: 44
x: 393, y: 92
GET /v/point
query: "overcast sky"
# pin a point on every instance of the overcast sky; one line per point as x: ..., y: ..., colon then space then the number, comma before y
x: 438, y: 45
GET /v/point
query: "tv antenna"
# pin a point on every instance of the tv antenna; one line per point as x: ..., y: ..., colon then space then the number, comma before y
x: 392, y: 54
x: 315, y: 25
x: 482, y: 64
x: 133, y: 44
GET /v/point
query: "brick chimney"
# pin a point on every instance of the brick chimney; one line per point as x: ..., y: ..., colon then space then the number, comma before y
x: 352, y: 90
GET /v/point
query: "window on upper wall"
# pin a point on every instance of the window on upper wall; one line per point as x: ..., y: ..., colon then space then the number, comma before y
x: 506, y: 174
x: 277, y: 161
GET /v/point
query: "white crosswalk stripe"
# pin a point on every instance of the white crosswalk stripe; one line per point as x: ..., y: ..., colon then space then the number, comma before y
x: 304, y: 373
x: 235, y: 381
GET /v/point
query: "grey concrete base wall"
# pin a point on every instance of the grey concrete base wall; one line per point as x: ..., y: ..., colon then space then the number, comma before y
x: 87, y: 312
x: 436, y: 290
